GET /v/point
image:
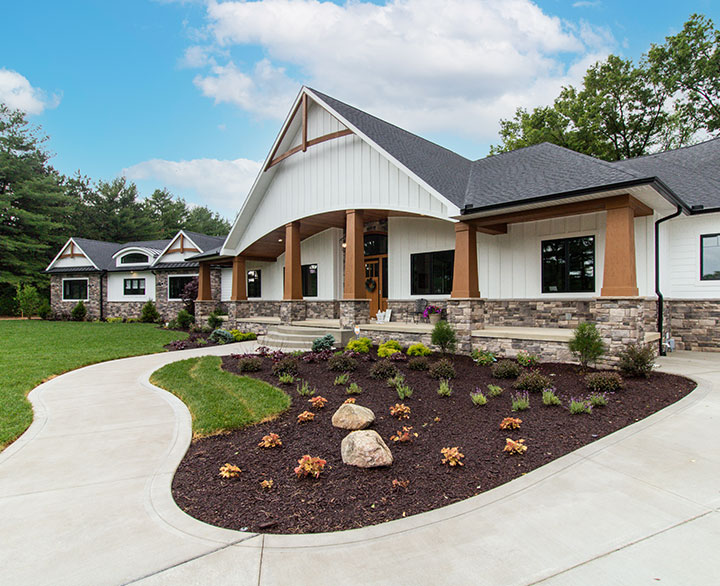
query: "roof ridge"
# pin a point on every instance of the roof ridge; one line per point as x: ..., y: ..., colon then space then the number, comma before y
x: 603, y: 162
x: 659, y: 153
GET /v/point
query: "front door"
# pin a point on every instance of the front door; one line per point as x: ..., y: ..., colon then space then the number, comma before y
x: 376, y: 283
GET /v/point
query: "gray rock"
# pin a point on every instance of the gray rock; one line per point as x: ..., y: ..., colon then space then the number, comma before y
x: 350, y: 416
x: 365, y: 449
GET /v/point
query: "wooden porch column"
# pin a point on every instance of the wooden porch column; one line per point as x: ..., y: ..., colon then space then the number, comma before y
x: 465, y: 270
x: 204, y: 292
x: 293, y: 272
x: 354, y: 255
x: 239, y: 290
x: 619, y: 277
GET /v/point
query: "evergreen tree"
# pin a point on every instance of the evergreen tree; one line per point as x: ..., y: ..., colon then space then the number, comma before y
x: 201, y: 219
x: 167, y: 212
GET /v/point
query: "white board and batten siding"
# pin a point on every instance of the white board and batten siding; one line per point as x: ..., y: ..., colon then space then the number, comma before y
x: 115, y: 286
x: 71, y: 262
x: 339, y: 174
x: 680, y: 257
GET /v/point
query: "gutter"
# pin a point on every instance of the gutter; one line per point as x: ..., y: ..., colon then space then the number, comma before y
x: 660, y: 298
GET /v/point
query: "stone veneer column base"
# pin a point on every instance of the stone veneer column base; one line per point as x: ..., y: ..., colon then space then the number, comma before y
x: 292, y: 310
x: 465, y: 315
x: 353, y: 312
x: 203, y: 309
x: 622, y: 321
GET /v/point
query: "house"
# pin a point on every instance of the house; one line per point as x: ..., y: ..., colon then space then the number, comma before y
x: 116, y: 280
x: 351, y: 215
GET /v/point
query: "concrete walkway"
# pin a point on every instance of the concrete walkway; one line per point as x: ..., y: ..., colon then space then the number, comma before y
x: 85, y: 499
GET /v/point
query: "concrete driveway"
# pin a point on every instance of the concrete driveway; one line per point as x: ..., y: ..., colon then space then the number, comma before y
x: 85, y: 499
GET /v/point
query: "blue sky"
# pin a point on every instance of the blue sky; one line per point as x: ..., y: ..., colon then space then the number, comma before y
x: 190, y: 95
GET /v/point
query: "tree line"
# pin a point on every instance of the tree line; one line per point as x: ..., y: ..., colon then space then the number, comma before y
x: 669, y: 99
x: 40, y: 208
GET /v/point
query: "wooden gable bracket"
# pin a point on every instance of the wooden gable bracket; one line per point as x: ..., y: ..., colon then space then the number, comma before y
x: 274, y: 160
x: 183, y: 248
x: 72, y: 253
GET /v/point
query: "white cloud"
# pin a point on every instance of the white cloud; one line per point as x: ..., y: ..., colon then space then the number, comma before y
x: 221, y: 185
x: 586, y: 3
x: 17, y: 93
x: 455, y: 66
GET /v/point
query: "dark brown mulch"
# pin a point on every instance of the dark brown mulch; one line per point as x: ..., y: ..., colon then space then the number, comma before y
x: 346, y: 497
x: 194, y: 340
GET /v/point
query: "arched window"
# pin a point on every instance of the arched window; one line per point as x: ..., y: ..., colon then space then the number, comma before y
x: 134, y: 258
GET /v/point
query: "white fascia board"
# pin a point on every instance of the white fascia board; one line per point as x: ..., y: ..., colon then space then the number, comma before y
x: 59, y: 254
x: 169, y: 246
x: 123, y: 251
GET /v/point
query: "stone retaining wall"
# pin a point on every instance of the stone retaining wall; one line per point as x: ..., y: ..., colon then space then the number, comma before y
x: 694, y: 324
x: 547, y: 351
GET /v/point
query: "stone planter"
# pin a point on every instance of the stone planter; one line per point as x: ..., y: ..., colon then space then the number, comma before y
x: 434, y: 318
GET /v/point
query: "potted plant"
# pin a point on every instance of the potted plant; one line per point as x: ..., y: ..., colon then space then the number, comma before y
x: 432, y: 312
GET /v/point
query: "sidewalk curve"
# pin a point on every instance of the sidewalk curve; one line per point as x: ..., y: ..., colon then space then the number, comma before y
x: 85, y: 499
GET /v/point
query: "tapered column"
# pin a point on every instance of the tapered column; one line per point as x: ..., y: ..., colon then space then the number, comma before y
x: 204, y: 291
x: 465, y: 270
x: 293, y: 274
x: 239, y: 290
x: 354, y: 255
x: 619, y: 277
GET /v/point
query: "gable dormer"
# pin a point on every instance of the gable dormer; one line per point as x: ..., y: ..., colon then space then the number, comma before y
x: 180, y: 248
x: 71, y: 256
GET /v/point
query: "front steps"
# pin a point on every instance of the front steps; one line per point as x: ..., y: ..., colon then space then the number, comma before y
x: 300, y: 337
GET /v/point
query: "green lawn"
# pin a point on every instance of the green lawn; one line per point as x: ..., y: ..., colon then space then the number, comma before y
x: 218, y: 400
x: 32, y: 351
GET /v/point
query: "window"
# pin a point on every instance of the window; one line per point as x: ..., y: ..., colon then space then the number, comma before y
x: 710, y: 257
x: 133, y: 258
x: 431, y: 273
x: 375, y: 244
x: 309, y: 280
x: 568, y: 265
x: 134, y: 287
x: 176, y: 285
x: 253, y: 283
x: 75, y: 289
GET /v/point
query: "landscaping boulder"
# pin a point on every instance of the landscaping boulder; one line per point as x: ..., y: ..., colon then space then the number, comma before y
x: 365, y: 449
x: 350, y: 416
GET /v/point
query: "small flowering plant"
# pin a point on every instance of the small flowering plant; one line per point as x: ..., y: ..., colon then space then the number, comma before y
x: 429, y: 309
x: 267, y: 484
x: 517, y: 448
x: 400, y: 410
x: 318, y: 402
x: 350, y: 400
x: 305, y: 416
x: 404, y: 435
x: 452, y: 456
x: 309, y: 466
x: 271, y: 440
x: 510, y: 423
x: 229, y: 471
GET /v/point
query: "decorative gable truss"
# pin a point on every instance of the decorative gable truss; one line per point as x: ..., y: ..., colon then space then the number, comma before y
x: 71, y: 255
x: 180, y: 247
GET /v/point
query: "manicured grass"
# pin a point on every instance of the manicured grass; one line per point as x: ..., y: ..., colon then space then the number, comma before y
x: 33, y: 350
x: 218, y: 400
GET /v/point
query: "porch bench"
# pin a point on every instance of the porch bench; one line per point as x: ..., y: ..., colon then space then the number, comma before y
x: 518, y: 333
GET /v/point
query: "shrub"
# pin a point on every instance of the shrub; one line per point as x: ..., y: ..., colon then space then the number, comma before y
x: 404, y: 391
x: 533, y: 381
x: 354, y: 389
x: 520, y: 401
x: 444, y: 390
x: 452, y: 456
x: 79, y: 312
x: 272, y: 440
x: 637, y: 361
x: 527, y: 359
x: 477, y: 398
x: 483, y: 357
x: 326, y: 342
x: 189, y: 295
x: 400, y: 410
x: 510, y: 423
x: 243, y: 336
x: 598, y: 400
x: 318, y: 402
x: 602, y: 382
x: 221, y: 336
x: 579, y: 406
x: 286, y: 378
x: 342, y: 363
x: 398, y: 357
x: 149, y: 313
x: 305, y: 416
x: 418, y: 349
x: 229, y: 471
x: 321, y: 356
x: 586, y: 344
x: 388, y: 348
x: 419, y: 363
x: 28, y: 300
x: 44, y: 309
x: 304, y: 389
x: 549, y: 398
x: 309, y: 466
x: 396, y: 380
x: 515, y: 448
x: 286, y: 365
x: 342, y: 379
x: 495, y: 390
x: 184, y: 319
x: 506, y: 369
x: 360, y: 345
x: 442, y: 369
x: 249, y: 364
x: 383, y: 370
x: 443, y: 335
x: 214, y: 319
x: 404, y: 436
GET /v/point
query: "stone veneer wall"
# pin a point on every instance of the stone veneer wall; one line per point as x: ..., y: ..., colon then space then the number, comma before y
x: 123, y: 308
x: 322, y: 309
x: 694, y: 324
x: 169, y: 309
x: 622, y: 321
x: 548, y: 351
x: 537, y: 313
x: 404, y: 310
x: 62, y: 309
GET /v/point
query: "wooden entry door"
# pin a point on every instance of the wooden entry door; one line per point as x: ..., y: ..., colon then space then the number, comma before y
x: 376, y: 283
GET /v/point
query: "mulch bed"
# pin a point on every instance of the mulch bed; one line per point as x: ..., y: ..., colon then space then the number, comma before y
x: 346, y: 497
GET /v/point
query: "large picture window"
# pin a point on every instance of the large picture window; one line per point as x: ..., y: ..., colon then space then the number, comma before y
x: 710, y: 257
x: 75, y: 289
x: 254, y: 288
x: 309, y: 280
x: 134, y: 287
x: 431, y: 273
x: 568, y: 265
x: 176, y: 284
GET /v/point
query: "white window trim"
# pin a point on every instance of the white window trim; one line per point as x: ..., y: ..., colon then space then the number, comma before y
x: 120, y: 263
x: 87, y: 288
x: 137, y: 295
x: 168, y: 286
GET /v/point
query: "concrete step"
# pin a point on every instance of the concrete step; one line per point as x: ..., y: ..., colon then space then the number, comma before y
x: 284, y: 343
x: 301, y: 337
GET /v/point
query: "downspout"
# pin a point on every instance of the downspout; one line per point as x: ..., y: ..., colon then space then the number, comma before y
x: 660, y: 299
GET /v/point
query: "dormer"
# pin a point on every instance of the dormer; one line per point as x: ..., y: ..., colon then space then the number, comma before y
x: 180, y: 248
x: 134, y: 257
x: 70, y: 256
